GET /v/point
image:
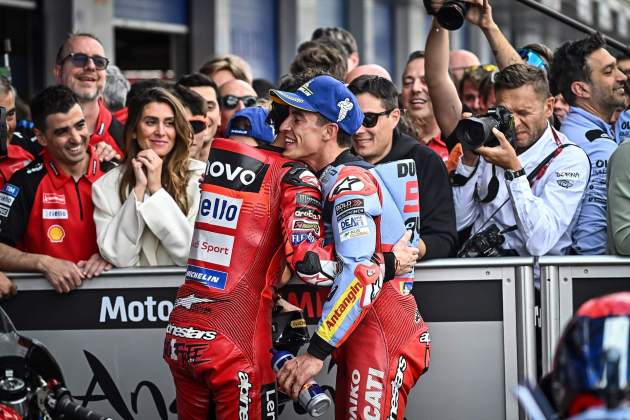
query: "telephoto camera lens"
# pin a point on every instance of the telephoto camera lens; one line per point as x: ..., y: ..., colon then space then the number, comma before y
x: 451, y: 15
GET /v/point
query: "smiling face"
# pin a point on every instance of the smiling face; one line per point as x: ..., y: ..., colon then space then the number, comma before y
x: 65, y: 137
x: 415, y: 93
x: 607, y: 82
x: 302, y: 133
x: 87, y: 82
x: 156, y: 128
x: 374, y: 143
x: 214, y: 113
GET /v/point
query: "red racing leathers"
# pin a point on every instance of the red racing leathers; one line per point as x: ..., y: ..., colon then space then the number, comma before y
x: 257, y: 211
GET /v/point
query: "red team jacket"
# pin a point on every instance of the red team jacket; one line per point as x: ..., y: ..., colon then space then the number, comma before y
x: 44, y: 211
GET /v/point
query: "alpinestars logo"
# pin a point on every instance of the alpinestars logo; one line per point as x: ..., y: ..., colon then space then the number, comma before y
x: 188, y: 301
x: 396, y: 384
x: 243, y: 398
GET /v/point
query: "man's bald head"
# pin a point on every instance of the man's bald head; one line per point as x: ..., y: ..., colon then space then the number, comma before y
x: 458, y: 60
x: 369, y: 69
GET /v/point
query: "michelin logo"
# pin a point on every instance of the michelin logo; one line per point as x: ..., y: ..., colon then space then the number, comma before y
x: 211, y: 278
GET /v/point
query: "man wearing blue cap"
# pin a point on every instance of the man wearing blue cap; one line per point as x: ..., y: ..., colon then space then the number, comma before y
x: 249, y: 126
x: 381, y: 345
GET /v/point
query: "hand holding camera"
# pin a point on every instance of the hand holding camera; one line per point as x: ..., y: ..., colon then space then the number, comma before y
x: 490, y: 135
x: 451, y: 14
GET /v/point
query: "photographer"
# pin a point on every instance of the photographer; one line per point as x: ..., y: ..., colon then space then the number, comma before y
x: 530, y: 188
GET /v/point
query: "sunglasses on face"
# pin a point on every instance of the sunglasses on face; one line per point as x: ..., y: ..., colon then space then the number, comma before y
x: 81, y: 60
x: 198, y: 124
x: 370, y: 119
x: 231, y: 101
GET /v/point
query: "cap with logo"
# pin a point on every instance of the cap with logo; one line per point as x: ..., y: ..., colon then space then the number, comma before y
x: 258, y: 128
x: 328, y: 97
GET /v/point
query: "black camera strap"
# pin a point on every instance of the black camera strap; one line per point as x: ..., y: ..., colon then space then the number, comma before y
x: 533, y: 176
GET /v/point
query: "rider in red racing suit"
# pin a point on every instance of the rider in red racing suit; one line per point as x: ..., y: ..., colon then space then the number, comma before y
x: 257, y: 211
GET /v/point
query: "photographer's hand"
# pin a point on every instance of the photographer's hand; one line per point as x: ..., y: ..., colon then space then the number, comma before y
x: 480, y: 14
x: 502, y: 155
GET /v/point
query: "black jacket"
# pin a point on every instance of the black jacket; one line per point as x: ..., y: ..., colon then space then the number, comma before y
x: 437, y: 213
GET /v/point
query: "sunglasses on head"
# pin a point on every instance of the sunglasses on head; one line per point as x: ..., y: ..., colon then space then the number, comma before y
x: 231, y: 101
x: 370, y: 119
x: 532, y: 58
x: 198, y: 124
x: 81, y: 60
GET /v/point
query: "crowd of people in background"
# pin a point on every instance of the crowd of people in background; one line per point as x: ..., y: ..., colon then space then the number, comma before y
x: 106, y: 174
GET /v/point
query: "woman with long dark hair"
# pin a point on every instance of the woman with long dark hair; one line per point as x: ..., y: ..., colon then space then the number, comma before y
x: 145, y: 209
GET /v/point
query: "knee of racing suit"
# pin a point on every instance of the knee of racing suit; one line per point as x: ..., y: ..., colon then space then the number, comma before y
x: 315, y: 264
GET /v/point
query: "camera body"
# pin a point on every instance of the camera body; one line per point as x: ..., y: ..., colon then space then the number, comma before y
x: 451, y: 13
x: 474, y: 132
x: 486, y: 243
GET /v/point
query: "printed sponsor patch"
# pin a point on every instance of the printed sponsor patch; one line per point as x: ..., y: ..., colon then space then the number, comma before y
x: 567, y: 174
x: 52, y: 198
x: 298, y: 323
x: 349, y: 213
x: 190, y: 300
x: 4, y: 211
x: 54, y: 213
x: 349, y: 183
x: 306, y: 200
x: 6, y: 199
x: 297, y: 238
x: 56, y: 234
x: 565, y: 183
x: 354, y: 203
x: 12, y: 190
x: 351, y: 222
x: 354, y: 233
x: 219, y: 210
x: 306, y: 225
x: 235, y: 171
x: 340, y: 310
x: 190, y: 332
x: 212, y: 247
x: 211, y: 278
x: 307, y: 213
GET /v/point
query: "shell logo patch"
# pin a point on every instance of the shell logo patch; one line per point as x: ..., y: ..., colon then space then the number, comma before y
x: 56, y: 233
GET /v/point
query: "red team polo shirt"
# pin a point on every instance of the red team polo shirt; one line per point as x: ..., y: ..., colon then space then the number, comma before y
x: 44, y: 211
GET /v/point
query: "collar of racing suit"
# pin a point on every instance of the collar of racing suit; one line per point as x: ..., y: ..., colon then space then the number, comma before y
x: 343, y: 158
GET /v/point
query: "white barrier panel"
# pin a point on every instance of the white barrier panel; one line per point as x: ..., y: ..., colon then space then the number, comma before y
x: 570, y: 281
x: 108, y: 336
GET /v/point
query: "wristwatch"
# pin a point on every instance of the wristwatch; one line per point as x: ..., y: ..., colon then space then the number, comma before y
x: 511, y: 175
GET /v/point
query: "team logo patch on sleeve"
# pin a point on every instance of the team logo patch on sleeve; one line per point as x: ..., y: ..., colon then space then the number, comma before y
x: 306, y: 200
x: 10, y: 189
x: 340, y: 310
